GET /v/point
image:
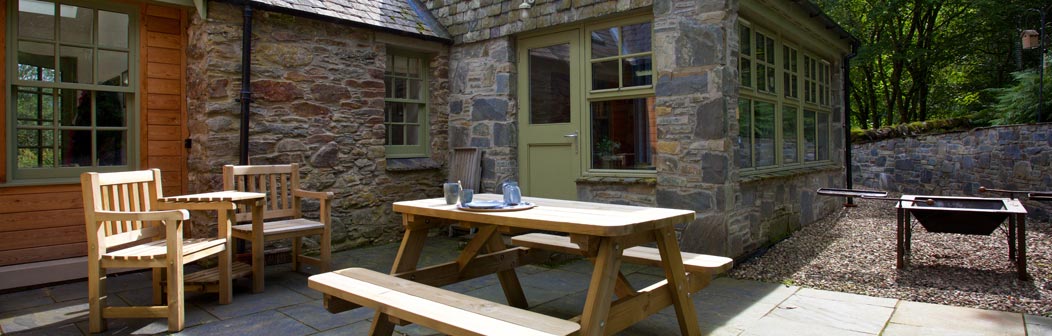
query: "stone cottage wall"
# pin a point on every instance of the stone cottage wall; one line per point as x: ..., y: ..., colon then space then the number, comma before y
x: 318, y: 95
x: 696, y: 87
x: 956, y: 164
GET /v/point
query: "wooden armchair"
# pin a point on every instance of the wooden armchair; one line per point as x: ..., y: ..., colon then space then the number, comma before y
x: 125, y: 231
x: 282, y: 216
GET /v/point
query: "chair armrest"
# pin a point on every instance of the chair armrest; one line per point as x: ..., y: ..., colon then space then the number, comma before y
x: 320, y: 195
x: 142, y: 215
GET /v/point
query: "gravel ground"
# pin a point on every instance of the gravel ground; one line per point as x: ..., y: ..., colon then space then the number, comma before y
x: 853, y: 251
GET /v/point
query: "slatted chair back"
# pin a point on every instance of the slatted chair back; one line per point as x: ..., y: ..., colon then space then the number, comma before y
x: 277, y: 181
x: 466, y: 166
x: 132, y: 191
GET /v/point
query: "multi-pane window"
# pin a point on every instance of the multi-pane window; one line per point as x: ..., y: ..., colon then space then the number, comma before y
x: 622, y: 118
x: 72, y: 82
x: 764, y: 61
x: 790, y: 76
x: 780, y: 130
x: 405, y: 105
x: 621, y: 57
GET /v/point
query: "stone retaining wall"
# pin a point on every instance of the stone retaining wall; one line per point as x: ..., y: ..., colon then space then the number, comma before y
x: 957, y: 164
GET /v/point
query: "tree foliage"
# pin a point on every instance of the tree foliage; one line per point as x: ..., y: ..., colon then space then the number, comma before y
x: 930, y: 59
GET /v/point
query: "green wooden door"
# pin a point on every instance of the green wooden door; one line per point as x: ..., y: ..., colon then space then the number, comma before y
x: 549, y: 116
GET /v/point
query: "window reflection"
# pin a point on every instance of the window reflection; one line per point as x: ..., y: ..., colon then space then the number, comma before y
x: 624, y: 134
x: 550, y: 84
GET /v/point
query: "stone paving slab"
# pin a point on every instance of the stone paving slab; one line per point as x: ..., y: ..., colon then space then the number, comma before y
x: 1038, y: 325
x: 837, y: 315
x: 269, y: 322
x: 912, y: 318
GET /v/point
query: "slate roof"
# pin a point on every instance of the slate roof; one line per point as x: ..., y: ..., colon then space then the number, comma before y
x: 408, y: 16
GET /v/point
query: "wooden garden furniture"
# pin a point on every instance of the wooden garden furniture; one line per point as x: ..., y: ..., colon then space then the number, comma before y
x: 126, y: 229
x: 282, y: 217
x: 608, y: 234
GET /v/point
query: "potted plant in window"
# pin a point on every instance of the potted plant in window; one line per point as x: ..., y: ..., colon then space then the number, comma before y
x: 605, y: 153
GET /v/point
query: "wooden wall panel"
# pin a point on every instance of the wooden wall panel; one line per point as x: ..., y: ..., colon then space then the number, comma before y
x: 3, y: 97
x: 40, y: 223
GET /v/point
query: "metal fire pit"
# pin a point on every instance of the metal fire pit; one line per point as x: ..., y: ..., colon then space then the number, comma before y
x: 963, y: 215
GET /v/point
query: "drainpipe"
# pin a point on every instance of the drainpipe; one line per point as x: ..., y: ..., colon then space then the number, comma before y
x: 847, y: 118
x: 246, y: 76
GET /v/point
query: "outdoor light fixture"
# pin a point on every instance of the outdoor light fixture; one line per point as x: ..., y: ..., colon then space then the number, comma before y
x: 1036, y: 40
x: 524, y: 9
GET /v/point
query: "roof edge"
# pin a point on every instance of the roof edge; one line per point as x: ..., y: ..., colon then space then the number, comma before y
x: 815, y: 12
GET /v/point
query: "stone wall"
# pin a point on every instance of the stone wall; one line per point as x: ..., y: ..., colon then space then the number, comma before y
x: 478, y: 20
x: 318, y: 100
x: 957, y: 164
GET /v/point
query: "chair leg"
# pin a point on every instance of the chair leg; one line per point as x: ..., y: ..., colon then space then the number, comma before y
x: 176, y: 313
x: 96, y: 300
x: 296, y: 248
x: 326, y: 252
x: 158, y: 289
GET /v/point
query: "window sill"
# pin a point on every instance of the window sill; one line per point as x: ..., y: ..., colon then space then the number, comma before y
x: 412, y: 164
x: 651, y: 181
x: 795, y: 171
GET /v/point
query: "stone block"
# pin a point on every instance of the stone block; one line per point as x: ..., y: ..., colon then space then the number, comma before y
x: 711, y: 121
x: 489, y: 109
x: 706, y: 235
x: 682, y: 85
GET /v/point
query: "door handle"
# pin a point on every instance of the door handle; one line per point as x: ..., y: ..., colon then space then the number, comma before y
x: 575, y: 138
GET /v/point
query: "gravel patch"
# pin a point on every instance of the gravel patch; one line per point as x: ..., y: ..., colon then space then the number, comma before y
x: 853, y: 251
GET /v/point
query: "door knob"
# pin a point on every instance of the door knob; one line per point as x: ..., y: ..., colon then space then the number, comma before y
x: 575, y: 140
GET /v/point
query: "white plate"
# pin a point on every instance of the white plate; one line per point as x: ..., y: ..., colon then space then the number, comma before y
x: 485, y: 204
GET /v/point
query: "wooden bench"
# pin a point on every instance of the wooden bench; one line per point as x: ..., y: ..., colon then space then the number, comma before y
x: 439, y: 309
x: 692, y: 262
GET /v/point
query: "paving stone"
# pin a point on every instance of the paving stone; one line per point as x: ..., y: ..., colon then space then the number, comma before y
x: 957, y: 319
x: 847, y: 297
x: 556, y: 279
x: 840, y: 315
x: 642, y: 280
x: 273, y: 296
x: 54, y: 314
x: 194, y: 317
x: 473, y: 284
x: 314, y: 315
x: 24, y: 299
x: 777, y: 326
x: 295, y: 281
x: 564, y: 307
x: 357, y: 328
x: 534, y: 295
x: 1038, y: 325
x: 67, y: 329
x: 114, y: 283
x: 750, y: 291
x: 265, y: 323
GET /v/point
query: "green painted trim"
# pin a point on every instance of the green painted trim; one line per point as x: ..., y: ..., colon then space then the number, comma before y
x: 424, y: 134
x: 63, y: 175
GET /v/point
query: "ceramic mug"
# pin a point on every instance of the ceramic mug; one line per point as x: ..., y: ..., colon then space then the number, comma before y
x: 451, y: 190
x: 466, y: 195
x: 512, y: 193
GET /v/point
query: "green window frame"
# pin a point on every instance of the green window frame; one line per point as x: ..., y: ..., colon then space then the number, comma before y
x: 622, y: 135
x: 786, y: 131
x: 73, y: 89
x: 406, y: 119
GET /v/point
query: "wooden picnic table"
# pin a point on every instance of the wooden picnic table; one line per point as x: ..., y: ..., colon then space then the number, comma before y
x: 601, y: 231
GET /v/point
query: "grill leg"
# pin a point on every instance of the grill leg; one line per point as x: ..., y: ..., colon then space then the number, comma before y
x: 1021, y: 240
x: 907, y: 224
x: 1011, y: 238
x: 899, y: 237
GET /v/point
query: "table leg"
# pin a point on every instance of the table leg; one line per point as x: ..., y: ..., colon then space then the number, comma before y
x: 508, y: 280
x: 225, y: 290
x: 257, y: 247
x: 406, y: 260
x: 601, y: 288
x: 672, y: 262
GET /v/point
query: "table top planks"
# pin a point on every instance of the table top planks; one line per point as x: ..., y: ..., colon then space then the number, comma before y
x: 594, y: 219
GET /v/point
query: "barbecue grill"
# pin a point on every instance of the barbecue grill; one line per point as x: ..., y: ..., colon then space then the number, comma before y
x: 950, y: 214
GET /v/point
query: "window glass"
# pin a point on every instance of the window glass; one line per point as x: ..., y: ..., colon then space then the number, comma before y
x: 550, y: 85
x: 764, y: 133
x: 790, y: 78
x: 621, y: 57
x: 823, y: 136
x: 764, y: 62
x: 623, y: 134
x: 745, y: 61
x: 789, y: 134
x: 405, y: 105
x: 744, y: 133
x: 810, y: 135
x: 60, y: 127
